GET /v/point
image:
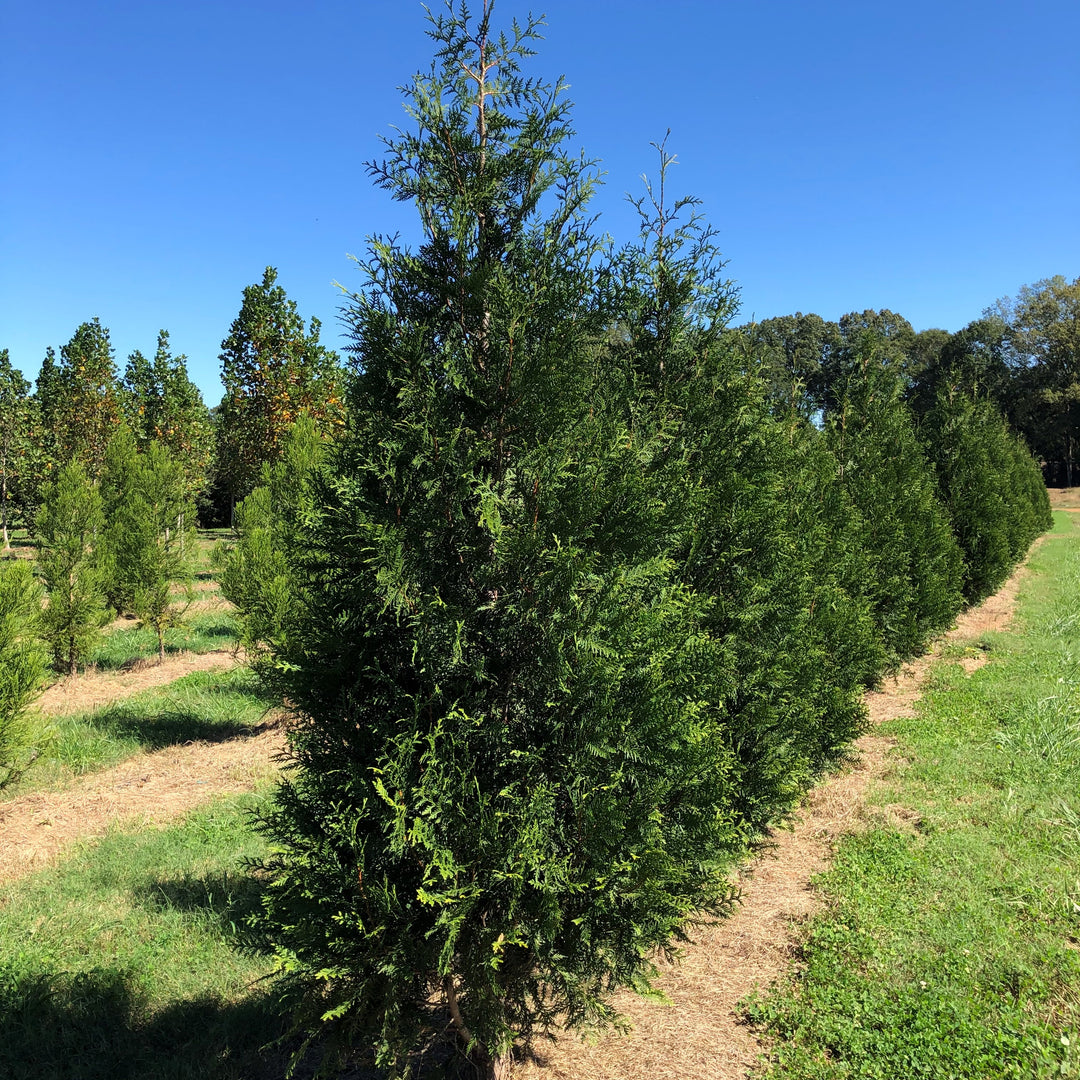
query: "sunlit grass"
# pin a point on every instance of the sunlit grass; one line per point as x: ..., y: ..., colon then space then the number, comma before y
x: 951, y: 950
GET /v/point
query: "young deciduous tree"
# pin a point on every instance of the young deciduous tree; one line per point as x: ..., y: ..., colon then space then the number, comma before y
x: 21, y: 668
x: 1044, y: 339
x: 68, y: 530
x: 273, y: 369
x: 509, y: 785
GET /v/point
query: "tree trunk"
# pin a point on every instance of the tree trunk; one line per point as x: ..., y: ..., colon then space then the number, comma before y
x: 3, y: 508
x: 487, y: 1067
x: 161, y: 645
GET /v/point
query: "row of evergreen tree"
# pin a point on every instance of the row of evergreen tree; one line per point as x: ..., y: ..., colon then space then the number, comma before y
x: 572, y: 588
x: 576, y: 603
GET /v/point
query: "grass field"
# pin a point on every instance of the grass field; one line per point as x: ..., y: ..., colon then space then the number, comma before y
x: 952, y: 948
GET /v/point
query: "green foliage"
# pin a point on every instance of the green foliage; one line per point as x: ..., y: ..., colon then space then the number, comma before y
x: 511, y: 783
x: 744, y: 496
x: 21, y: 668
x: 149, y: 538
x: 914, y: 572
x: 163, y: 405
x: 81, y: 399
x: 949, y: 951
x: 1043, y: 334
x: 273, y: 369
x: 254, y: 571
x: 16, y: 452
x: 991, y: 487
x: 68, y: 531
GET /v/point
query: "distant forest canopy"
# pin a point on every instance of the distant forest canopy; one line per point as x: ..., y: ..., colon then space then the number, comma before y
x: 1022, y: 356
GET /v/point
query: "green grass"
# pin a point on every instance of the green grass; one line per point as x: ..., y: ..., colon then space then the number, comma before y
x: 206, y: 631
x: 121, y: 961
x: 954, y: 950
x: 208, y: 706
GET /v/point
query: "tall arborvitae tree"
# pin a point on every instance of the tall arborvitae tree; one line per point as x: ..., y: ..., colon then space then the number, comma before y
x: 21, y: 668
x: 754, y: 519
x: 274, y: 369
x: 68, y: 530
x: 163, y: 405
x: 15, y: 441
x: 915, y: 564
x: 991, y: 486
x: 509, y: 785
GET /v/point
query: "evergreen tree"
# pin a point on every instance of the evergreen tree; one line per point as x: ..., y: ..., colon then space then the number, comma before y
x: 21, y: 668
x: 149, y: 539
x: 254, y: 571
x: 915, y: 565
x: 991, y: 487
x: 273, y: 368
x: 68, y: 530
x: 508, y: 784
x: 754, y: 518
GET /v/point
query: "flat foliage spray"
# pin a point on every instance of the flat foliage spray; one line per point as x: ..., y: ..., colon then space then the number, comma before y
x: 507, y: 787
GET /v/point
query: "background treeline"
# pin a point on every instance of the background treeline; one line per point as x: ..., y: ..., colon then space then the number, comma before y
x: 1021, y: 359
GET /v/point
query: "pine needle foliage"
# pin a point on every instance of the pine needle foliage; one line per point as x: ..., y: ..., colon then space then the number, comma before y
x: 68, y: 530
x: 508, y: 784
x: 21, y: 668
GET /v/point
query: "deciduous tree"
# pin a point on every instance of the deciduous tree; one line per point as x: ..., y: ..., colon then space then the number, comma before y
x: 16, y: 410
x: 273, y: 368
x: 163, y: 405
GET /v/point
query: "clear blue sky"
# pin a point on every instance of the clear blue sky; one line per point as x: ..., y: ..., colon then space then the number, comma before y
x: 155, y: 157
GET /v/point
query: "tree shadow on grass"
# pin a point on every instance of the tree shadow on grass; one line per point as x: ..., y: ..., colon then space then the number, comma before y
x: 226, y: 899
x: 154, y: 730
x: 97, y: 1025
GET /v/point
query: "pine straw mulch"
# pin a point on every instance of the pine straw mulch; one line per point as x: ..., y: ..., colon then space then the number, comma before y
x: 96, y: 689
x: 700, y: 1035
x: 145, y: 790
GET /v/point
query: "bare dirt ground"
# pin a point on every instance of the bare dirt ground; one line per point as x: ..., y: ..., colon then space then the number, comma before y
x: 1065, y: 498
x: 96, y: 689
x: 700, y: 1036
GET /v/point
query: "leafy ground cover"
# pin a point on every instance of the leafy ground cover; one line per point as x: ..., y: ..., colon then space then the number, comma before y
x: 951, y: 948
